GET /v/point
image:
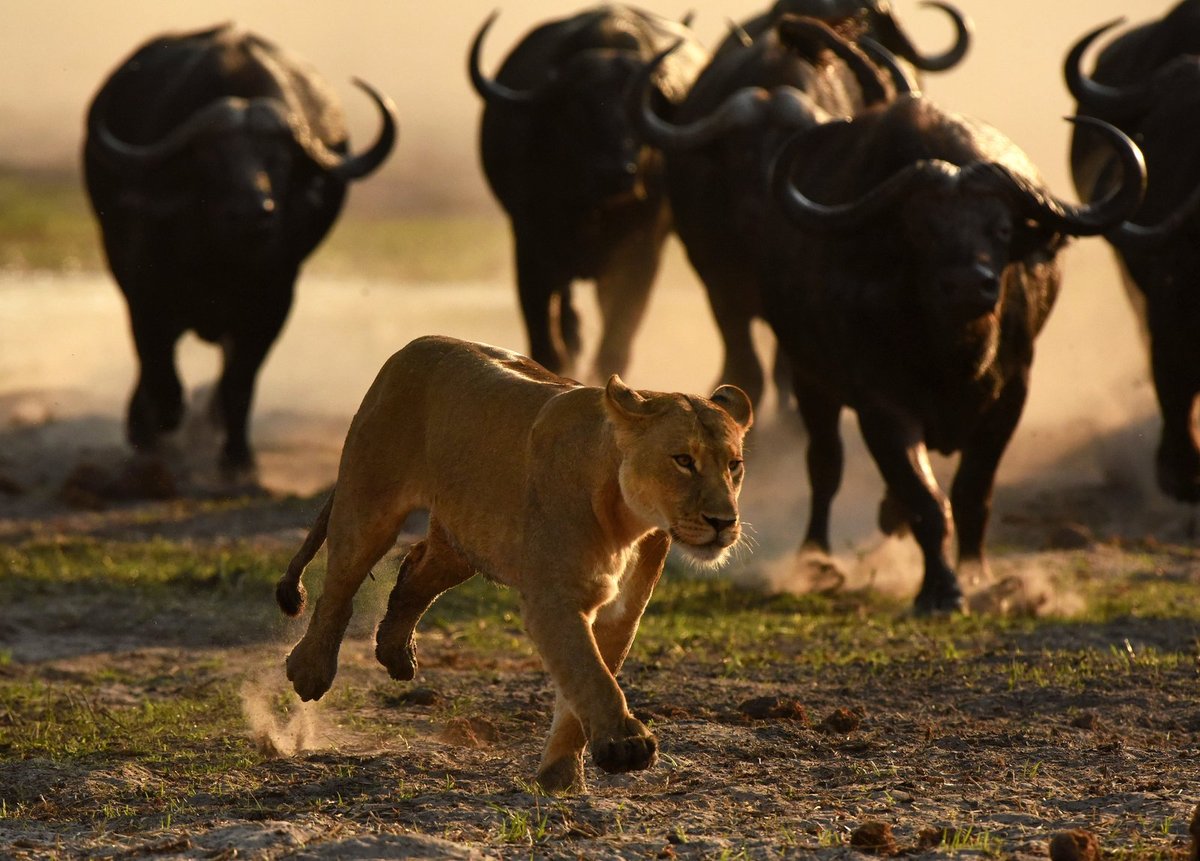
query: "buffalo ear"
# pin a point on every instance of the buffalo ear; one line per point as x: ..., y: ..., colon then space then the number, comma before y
x: 735, y: 402
x: 623, y: 402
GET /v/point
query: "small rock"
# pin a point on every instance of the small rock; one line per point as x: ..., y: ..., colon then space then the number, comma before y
x: 1070, y: 536
x: 841, y: 722
x: 421, y: 697
x: 1087, y: 720
x: 774, y: 708
x: 874, y: 837
x: 469, y: 732
x: 1074, y: 845
x: 1194, y: 830
x: 930, y: 837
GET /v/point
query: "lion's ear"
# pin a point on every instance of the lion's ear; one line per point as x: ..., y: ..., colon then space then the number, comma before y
x: 623, y: 402
x: 735, y: 402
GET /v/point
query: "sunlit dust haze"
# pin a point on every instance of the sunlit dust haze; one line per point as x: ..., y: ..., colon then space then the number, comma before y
x: 66, y: 363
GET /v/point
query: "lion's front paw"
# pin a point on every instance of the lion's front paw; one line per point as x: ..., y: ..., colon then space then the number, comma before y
x: 311, y: 670
x: 631, y: 748
x: 563, y: 775
x: 400, y: 659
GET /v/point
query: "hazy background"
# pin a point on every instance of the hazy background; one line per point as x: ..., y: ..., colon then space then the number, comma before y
x: 54, y: 55
x: 1090, y: 391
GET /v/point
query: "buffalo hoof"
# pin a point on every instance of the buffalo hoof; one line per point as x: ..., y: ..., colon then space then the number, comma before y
x: 400, y: 659
x: 939, y: 602
x: 631, y: 748
x: 563, y: 775
x: 1178, y: 474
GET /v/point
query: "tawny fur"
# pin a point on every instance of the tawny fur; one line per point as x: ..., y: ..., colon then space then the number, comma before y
x: 569, y: 494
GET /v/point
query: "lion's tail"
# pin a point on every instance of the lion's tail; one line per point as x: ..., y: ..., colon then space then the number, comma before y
x: 289, y: 591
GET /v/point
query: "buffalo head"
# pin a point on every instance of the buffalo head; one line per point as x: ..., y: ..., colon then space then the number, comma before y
x: 238, y: 159
x: 962, y: 225
x: 576, y: 105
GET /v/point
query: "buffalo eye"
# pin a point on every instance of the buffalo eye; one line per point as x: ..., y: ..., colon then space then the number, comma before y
x: 685, y: 461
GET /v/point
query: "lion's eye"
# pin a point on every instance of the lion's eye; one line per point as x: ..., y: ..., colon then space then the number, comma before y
x: 685, y: 461
x: 735, y: 465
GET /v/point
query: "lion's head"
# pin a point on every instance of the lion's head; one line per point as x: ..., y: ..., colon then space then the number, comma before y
x: 681, y: 463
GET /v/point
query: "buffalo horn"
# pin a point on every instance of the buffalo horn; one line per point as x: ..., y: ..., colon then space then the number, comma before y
x: 494, y: 91
x: 839, y: 217
x: 935, y: 62
x: 1099, y: 216
x: 359, y: 166
x: 1097, y: 98
x: 224, y: 113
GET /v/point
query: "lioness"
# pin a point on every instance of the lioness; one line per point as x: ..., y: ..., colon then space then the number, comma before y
x: 569, y: 494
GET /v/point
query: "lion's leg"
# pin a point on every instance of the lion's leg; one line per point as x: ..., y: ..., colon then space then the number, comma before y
x: 612, y: 631
x: 354, y: 547
x: 431, y: 567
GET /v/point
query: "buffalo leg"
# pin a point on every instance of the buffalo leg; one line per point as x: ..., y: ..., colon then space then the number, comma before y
x: 1177, y: 461
x: 825, y: 458
x: 898, y: 449
x: 156, y: 406
x: 537, y: 283
x: 971, y: 493
x: 614, y: 629
x: 568, y: 324
x: 430, y: 568
x: 244, y: 355
x: 623, y: 291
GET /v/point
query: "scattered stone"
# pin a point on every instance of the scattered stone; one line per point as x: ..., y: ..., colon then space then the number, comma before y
x: 841, y: 721
x: 874, y: 837
x: 930, y: 837
x: 774, y: 708
x: 1070, y: 536
x: 1074, y: 845
x: 92, y: 487
x: 469, y: 732
x: 1087, y: 720
x: 422, y: 696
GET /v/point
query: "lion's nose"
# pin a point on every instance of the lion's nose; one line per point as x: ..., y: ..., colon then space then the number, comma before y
x: 719, y: 524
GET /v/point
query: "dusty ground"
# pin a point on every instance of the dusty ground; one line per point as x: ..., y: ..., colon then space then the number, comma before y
x: 980, y: 738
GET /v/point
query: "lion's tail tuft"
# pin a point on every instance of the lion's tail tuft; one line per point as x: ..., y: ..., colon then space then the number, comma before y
x: 289, y: 591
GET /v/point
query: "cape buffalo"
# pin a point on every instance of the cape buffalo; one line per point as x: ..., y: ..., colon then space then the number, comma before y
x: 1147, y: 83
x: 910, y: 267
x: 582, y: 190
x: 215, y: 163
x: 715, y: 169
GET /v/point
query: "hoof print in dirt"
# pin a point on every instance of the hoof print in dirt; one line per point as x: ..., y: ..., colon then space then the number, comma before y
x: 469, y: 732
x: 875, y: 838
x: 774, y: 708
x: 842, y: 721
x: 1074, y: 845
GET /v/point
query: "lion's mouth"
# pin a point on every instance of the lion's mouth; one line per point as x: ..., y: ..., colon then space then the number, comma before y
x: 711, y: 552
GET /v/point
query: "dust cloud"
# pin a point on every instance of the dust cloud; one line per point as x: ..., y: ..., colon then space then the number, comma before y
x: 278, y: 732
